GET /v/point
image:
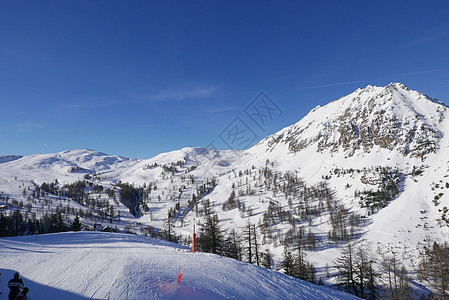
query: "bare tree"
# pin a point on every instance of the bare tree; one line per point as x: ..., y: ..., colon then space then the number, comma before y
x: 355, y: 272
x: 394, y: 277
x: 233, y: 248
x: 434, y: 267
x: 345, y: 270
x: 256, y: 246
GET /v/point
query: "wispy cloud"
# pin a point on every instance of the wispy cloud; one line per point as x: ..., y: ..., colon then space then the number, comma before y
x: 47, y: 148
x: 23, y: 127
x: 28, y: 126
x: 219, y: 108
x: 420, y: 72
x: 390, y: 77
x: 88, y: 103
x: 197, y: 92
x: 167, y: 95
x: 14, y: 114
x: 428, y: 38
x: 330, y: 84
x: 78, y: 105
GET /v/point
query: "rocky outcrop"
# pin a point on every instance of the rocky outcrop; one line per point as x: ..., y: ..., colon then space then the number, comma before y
x: 391, y: 117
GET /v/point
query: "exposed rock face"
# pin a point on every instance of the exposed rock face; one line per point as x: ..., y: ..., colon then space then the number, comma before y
x: 391, y: 117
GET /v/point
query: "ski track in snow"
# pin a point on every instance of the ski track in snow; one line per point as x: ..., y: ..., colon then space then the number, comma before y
x: 92, y: 265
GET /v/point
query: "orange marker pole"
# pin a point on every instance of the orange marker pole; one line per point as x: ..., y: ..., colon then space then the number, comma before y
x: 179, y: 281
x: 194, y: 238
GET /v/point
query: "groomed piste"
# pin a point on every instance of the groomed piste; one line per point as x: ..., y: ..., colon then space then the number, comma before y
x: 94, y: 265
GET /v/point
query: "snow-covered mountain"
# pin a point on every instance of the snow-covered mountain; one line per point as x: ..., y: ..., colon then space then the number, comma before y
x: 7, y: 158
x: 392, y: 117
x: 89, y: 265
x: 363, y: 142
x: 372, y: 166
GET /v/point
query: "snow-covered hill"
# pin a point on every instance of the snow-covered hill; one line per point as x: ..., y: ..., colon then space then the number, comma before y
x: 7, y: 158
x: 371, y: 167
x: 392, y: 117
x: 91, y: 265
x: 361, y: 141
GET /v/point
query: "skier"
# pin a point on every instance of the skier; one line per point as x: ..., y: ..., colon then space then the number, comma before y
x: 23, y: 294
x: 15, y: 285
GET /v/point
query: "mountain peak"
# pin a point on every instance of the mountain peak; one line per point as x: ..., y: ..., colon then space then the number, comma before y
x: 391, y: 117
x: 390, y: 88
x: 397, y: 85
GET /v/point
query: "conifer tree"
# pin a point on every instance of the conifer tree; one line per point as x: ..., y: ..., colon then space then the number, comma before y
x: 288, y: 263
x: 76, y: 225
x: 266, y: 259
x: 211, y: 236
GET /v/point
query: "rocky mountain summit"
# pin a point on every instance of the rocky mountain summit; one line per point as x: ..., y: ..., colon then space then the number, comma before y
x: 392, y: 117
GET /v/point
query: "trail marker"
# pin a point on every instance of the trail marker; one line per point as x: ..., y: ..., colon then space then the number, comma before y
x: 194, y: 238
x: 179, y: 281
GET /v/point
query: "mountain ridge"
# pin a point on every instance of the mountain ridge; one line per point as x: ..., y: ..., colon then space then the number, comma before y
x: 368, y: 117
x: 376, y: 157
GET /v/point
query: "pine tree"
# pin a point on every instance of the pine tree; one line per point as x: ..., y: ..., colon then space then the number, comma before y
x: 301, y: 267
x: 288, y: 263
x: 211, y: 236
x: 76, y: 225
x: 169, y: 223
x: 266, y: 259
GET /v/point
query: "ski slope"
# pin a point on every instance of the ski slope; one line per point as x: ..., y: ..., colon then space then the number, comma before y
x: 324, y: 143
x: 94, y: 265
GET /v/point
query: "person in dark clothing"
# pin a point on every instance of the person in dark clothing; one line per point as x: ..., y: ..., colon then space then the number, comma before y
x: 15, y: 285
x: 23, y: 294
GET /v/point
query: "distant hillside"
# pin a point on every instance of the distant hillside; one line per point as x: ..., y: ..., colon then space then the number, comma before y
x: 8, y: 158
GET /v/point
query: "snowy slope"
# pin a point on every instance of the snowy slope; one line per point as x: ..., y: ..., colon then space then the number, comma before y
x: 368, y: 124
x: 391, y: 127
x: 49, y: 167
x: 348, y: 149
x: 20, y: 177
x: 207, y: 163
x: 8, y: 158
x: 90, y: 265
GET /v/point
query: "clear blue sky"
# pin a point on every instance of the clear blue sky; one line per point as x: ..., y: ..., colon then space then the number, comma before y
x: 137, y: 78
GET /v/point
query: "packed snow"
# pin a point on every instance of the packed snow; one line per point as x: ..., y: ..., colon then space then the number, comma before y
x: 93, y: 265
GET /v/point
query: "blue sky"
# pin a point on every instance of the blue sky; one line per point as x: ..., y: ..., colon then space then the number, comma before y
x: 137, y: 78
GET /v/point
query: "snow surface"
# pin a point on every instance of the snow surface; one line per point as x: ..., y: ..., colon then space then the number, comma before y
x: 93, y: 265
x: 410, y: 220
x: 406, y: 224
